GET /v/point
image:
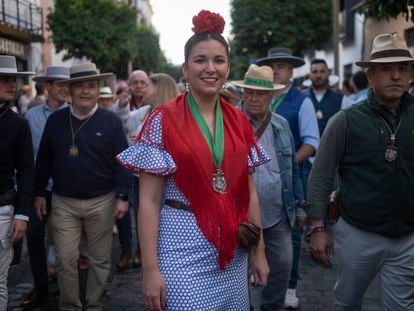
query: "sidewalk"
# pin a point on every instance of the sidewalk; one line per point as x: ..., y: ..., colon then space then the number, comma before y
x: 123, y: 292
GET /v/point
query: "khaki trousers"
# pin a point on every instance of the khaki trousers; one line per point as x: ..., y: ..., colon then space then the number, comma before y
x: 6, y: 251
x: 69, y: 217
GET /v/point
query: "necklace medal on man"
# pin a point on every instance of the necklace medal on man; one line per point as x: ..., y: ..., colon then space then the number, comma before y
x: 319, y: 114
x: 218, y: 182
x: 73, y: 149
x: 391, y: 153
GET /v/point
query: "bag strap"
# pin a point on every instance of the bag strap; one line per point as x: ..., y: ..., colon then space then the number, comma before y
x: 259, y: 132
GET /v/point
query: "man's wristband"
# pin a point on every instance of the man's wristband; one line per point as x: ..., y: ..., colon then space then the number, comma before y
x: 123, y: 197
x: 315, y: 228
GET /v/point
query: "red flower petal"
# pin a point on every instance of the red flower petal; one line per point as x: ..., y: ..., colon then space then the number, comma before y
x: 206, y: 21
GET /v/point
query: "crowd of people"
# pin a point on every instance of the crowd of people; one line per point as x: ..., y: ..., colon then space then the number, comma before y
x: 221, y: 193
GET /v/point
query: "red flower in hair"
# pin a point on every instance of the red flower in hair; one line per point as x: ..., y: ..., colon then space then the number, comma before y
x: 207, y: 21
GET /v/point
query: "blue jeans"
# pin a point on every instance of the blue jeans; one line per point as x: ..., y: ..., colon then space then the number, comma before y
x: 296, y: 246
x: 305, y: 168
x: 278, y: 248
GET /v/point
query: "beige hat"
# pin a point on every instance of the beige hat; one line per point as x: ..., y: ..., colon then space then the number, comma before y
x: 8, y: 67
x: 258, y: 78
x: 86, y: 71
x: 388, y: 48
x: 105, y: 92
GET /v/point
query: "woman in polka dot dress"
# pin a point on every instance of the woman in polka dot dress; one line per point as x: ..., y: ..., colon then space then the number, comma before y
x: 195, y: 156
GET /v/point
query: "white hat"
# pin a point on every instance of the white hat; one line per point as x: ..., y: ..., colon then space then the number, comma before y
x: 388, y: 48
x: 8, y: 67
x: 105, y: 92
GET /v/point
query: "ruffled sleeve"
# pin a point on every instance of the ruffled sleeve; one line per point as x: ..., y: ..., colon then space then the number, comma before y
x: 257, y: 156
x: 148, y: 153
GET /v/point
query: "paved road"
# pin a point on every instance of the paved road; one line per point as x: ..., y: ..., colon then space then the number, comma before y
x: 123, y: 289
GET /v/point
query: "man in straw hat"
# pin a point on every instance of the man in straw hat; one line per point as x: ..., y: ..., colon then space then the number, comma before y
x: 371, y: 147
x: 277, y: 182
x: 37, y: 117
x: 106, y: 98
x: 299, y: 111
x: 77, y: 150
x: 16, y: 156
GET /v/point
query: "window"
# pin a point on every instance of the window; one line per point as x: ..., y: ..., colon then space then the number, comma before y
x: 409, y: 36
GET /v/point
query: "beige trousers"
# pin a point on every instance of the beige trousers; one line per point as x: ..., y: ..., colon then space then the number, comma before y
x: 6, y: 251
x: 69, y: 217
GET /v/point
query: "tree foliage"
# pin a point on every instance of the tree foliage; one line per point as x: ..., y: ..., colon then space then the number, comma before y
x: 385, y: 9
x: 106, y: 34
x: 260, y: 25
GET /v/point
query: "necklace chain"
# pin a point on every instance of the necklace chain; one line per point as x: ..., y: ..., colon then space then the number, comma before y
x: 392, y: 134
x: 78, y: 129
x: 4, y: 112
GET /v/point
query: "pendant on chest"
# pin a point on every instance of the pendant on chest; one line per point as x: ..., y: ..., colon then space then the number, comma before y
x: 219, y: 182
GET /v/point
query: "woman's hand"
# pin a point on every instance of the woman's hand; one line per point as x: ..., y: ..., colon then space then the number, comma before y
x: 258, y: 266
x: 154, y: 290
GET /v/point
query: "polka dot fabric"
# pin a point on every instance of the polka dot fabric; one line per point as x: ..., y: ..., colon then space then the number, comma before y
x: 188, y: 262
x: 256, y: 159
x: 148, y: 154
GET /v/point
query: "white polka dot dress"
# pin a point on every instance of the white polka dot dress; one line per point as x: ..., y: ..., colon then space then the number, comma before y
x: 187, y: 261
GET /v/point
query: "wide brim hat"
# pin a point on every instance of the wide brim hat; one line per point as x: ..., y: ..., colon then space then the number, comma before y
x: 8, y: 67
x: 105, y: 92
x: 53, y: 73
x: 83, y: 72
x: 282, y: 55
x: 388, y: 48
x: 258, y: 78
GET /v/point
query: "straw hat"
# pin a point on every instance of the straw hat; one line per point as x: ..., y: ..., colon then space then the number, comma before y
x: 258, y: 78
x: 8, y: 67
x: 281, y: 55
x: 86, y: 71
x: 388, y: 48
x: 53, y: 73
x: 105, y: 92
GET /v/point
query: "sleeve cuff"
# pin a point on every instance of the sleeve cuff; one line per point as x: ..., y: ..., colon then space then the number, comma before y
x: 21, y: 217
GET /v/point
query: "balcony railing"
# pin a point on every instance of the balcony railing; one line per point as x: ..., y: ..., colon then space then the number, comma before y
x: 23, y: 16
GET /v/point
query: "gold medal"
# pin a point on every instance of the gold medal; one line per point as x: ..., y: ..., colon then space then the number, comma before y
x: 319, y: 114
x: 73, y: 151
x: 219, y: 182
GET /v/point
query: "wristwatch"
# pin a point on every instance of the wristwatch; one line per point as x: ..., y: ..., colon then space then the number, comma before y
x: 123, y: 197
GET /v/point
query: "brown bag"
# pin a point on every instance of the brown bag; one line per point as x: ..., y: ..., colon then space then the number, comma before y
x: 248, y: 235
x: 333, y: 209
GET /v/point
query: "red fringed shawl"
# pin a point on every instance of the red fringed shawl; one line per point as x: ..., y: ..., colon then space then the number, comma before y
x: 217, y: 215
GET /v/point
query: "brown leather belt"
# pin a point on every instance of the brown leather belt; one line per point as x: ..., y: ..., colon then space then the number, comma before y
x: 178, y: 205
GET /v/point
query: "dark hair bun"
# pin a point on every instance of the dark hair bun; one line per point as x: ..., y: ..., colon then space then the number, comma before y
x: 206, y: 21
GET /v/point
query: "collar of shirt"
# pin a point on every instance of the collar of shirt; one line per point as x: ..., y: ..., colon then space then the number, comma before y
x: 72, y: 111
x: 319, y: 94
x: 275, y: 97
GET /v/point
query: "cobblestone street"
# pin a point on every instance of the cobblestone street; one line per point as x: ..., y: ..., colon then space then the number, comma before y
x: 123, y: 289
